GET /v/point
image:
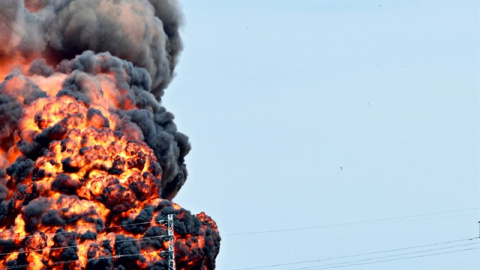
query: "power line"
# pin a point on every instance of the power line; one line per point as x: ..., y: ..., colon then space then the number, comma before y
x: 353, y: 263
x: 72, y: 261
x: 302, y: 228
x: 356, y: 222
x: 76, y: 246
x: 67, y: 232
x: 388, y: 256
x: 279, y: 230
x: 170, y: 251
x: 328, y: 266
x: 361, y: 254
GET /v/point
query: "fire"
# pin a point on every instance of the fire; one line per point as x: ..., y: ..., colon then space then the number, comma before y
x: 81, y: 189
x: 89, y: 157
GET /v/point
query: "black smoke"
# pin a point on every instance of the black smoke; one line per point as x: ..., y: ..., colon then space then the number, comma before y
x: 142, y: 39
x: 114, y: 58
x: 144, y: 32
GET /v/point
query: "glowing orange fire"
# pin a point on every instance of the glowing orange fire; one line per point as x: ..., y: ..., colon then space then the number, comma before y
x: 91, y: 198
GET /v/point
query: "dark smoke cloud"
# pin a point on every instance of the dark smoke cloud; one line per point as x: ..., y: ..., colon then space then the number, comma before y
x: 143, y: 32
x: 85, y: 141
x: 150, y: 119
x: 155, y: 122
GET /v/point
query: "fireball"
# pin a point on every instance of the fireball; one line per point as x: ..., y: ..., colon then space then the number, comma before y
x: 89, y: 158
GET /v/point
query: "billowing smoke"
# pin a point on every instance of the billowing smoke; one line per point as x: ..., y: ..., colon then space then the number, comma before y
x: 89, y: 158
x: 143, y: 32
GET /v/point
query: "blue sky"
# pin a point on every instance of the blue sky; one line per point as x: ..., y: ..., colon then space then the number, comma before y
x: 278, y: 96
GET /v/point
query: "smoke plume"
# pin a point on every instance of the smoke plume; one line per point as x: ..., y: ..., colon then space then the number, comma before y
x: 89, y: 158
x: 143, y: 32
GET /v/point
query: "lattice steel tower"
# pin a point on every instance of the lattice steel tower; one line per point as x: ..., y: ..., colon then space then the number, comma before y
x: 170, y: 237
x: 171, y: 242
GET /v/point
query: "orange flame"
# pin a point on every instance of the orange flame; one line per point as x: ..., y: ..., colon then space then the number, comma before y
x: 93, y: 196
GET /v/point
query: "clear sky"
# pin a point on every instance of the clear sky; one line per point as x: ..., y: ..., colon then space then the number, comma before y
x: 316, y: 112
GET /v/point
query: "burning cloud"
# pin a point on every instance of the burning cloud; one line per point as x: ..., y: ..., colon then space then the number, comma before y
x: 89, y: 158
